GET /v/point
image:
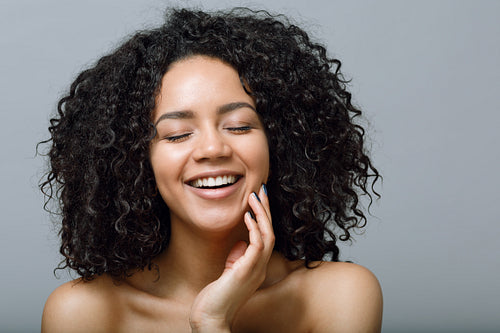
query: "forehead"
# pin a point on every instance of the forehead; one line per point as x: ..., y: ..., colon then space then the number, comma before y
x: 200, y: 81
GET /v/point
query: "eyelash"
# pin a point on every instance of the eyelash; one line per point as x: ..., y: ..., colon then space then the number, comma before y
x: 241, y: 129
x: 177, y: 138
x: 238, y: 130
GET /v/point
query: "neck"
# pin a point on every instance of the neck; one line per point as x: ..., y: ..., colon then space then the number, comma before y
x: 192, y: 260
x: 199, y: 258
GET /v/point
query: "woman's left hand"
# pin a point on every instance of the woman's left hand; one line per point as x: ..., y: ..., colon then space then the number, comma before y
x: 216, y: 305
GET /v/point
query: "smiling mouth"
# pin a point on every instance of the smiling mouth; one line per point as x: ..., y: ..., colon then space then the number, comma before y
x: 214, y: 182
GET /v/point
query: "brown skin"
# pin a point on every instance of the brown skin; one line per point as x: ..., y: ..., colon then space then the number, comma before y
x: 219, y: 272
x: 334, y: 297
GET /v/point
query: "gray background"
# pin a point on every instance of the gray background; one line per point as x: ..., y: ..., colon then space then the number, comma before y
x: 427, y: 75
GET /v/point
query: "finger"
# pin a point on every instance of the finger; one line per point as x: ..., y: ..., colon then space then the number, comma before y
x: 265, y: 200
x: 254, y: 233
x: 265, y: 203
x: 252, y: 252
x: 256, y: 243
x: 259, y: 249
x: 261, y: 252
x: 264, y: 222
x: 262, y: 200
x: 236, y: 253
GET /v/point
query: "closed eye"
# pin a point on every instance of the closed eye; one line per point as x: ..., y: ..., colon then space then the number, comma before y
x: 240, y: 129
x: 177, y: 138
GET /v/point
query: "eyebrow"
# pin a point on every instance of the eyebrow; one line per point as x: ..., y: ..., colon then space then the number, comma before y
x: 234, y: 106
x: 188, y: 114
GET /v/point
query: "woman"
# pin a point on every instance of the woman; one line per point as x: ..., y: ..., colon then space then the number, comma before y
x: 202, y: 169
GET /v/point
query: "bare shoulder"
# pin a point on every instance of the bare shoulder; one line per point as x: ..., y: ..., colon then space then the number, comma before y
x: 79, y: 306
x: 342, y: 297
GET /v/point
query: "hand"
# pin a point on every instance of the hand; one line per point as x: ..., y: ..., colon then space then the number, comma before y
x: 216, y: 305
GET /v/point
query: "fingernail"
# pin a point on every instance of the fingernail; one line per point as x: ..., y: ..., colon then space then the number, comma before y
x: 264, y: 187
x: 251, y: 215
x: 256, y: 196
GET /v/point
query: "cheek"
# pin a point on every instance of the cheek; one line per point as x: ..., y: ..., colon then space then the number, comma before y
x: 257, y: 153
x: 166, y: 169
x: 167, y: 165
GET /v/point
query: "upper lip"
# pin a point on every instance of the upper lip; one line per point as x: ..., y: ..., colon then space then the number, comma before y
x: 213, y: 173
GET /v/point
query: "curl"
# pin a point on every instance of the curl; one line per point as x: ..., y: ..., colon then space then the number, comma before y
x: 114, y: 222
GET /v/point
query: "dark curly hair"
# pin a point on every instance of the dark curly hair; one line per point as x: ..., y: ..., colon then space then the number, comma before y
x: 113, y: 220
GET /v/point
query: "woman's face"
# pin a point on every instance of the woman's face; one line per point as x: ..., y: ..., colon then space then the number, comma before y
x: 211, y: 151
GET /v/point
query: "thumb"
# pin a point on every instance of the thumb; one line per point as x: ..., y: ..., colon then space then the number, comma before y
x: 236, y: 252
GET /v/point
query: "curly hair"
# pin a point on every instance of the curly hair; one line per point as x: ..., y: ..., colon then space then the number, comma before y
x: 100, y: 175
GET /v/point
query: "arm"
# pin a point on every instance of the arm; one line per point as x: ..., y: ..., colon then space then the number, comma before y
x: 215, y: 307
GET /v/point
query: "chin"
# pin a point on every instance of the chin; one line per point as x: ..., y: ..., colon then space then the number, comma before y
x: 219, y: 222
x: 215, y: 221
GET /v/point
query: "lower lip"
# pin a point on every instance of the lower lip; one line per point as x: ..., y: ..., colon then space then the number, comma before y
x: 216, y: 193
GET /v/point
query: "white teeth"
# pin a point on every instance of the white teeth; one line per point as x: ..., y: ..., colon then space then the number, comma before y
x: 213, y: 182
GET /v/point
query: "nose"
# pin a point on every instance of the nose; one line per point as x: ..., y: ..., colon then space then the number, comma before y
x: 211, y: 145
